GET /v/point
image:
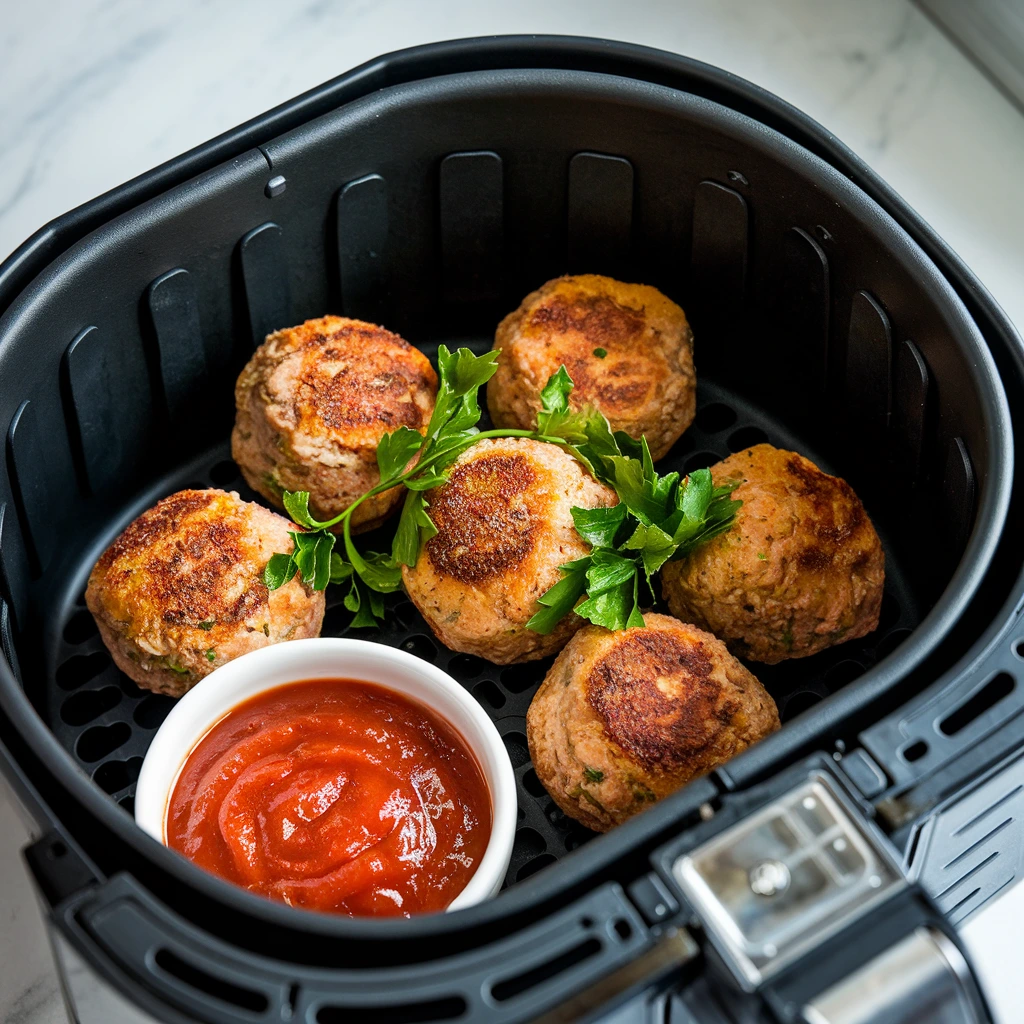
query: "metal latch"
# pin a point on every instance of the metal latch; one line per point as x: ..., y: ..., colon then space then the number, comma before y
x: 776, y: 884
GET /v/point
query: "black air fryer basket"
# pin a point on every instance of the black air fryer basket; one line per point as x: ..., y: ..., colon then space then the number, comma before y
x: 430, y: 191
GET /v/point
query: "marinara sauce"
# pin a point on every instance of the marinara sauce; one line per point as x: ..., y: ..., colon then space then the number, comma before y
x: 335, y: 795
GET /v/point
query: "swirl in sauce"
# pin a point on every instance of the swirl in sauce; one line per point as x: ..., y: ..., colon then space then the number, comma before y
x: 334, y: 795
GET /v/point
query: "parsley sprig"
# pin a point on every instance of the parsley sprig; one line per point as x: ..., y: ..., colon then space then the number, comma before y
x: 658, y: 517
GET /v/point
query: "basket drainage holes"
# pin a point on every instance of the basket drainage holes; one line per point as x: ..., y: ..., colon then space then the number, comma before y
x: 715, y: 417
x: 891, y: 642
x: 700, y: 461
x: 915, y: 751
x: 420, y: 645
x: 196, y: 978
x: 80, y: 669
x: 83, y: 707
x: 800, y: 702
x: 746, y: 437
x: 535, y: 865
x: 488, y: 693
x: 529, y: 843
x: 468, y: 665
x: 532, y: 784
x: 842, y: 673
x: 518, y: 751
x: 890, y: 613
x: 152, y: 710
x: 521, y: 677
x: 96, y: 743
x: 1018, y: 648
x: 998, y: 687
x: 80, y: 627
x: 623, y: 929
x: 420, y: 1012
x: 113, y: 776
x: 224, y: 473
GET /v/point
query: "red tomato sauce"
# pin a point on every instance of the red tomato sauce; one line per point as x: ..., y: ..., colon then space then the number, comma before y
x: 334, y: 795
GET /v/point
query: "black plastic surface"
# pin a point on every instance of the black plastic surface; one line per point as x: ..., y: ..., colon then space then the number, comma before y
x: 802, y: 278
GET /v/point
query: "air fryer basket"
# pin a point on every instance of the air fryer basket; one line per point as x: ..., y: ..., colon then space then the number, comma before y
x: 432, y: 206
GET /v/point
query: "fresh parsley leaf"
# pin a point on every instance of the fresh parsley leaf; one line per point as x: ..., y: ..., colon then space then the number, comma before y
x: 296, y: 504
x: 322, y: 560
x: 598, y: 526
x: 592, y: 774
x: 280, y: 569
x: 396, y: 450
x: 340, y: 569
x: 559, y: 600
x: 600, y: 352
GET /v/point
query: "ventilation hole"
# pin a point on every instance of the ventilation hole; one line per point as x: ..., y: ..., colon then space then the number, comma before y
x: 842, y: 673
x: 529, y: 843
x: 420, y: 1012
x: 521, y: 814
x: 405, y: 612
x: 420, y: 645
x: 336, y: 620
x: 129, y: 687
x: 554, y: 814
x: 520, y: 678
x: 586, y: 923
x: 715, y: 417
x: 988, y: 696
x: 891, y: 642
x: 82, y: 708
x: 96, y: 743
x: 683, y: 446
x: 1018, y: 648
x: 292, y: 999
x: 535, y: 865
x: 151, y: 712
x: 800, y: 702
x: 488, y: 693
x: 518, y: 751
x: 128, y: 803
x: 519, y: 983
x: 700, y: 461
x: 915, y: 751
x: 623, y: 929
x: 194, y: 977
x: 224, y: 473
x: 80, y: 669
x: 890, y: 613
x: 80, y: 627
x: 746, y: 437
x: 532, y: 784
x: 113, y: 776
x: 467, y: 666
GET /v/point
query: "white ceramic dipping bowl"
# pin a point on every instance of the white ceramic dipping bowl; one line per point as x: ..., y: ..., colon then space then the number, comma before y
x: 199, y: 710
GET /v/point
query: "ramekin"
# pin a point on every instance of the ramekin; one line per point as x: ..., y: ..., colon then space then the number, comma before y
x: 199, y: 710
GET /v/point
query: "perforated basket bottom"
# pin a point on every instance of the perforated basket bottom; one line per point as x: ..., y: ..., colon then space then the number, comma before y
x: 107, y: 722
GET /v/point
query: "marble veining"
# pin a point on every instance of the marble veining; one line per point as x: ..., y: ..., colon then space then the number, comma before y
x: 94, y: 92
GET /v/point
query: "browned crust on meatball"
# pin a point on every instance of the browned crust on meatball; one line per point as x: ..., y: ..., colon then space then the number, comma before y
x: 801, y: 569
x: 644, y: 383
x: 504, y: 527
x: 312, y: 405
x: 180, y: 592
x: 625, y: 718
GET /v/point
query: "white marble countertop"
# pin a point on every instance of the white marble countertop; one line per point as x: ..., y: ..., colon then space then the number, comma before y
x: 95, y: 92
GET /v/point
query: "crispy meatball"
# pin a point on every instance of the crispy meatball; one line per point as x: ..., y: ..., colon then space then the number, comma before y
x: 624, y: 719
x: 504, y: 527
x: 628, y: 349
x: 801, y: 568
x: 181, y: 591
x: 312, y: 405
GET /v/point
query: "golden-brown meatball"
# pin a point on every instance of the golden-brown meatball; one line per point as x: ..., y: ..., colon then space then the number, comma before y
x: 801, y: 568
x: 181, y: 591
x: 625, y: 718
x: 314, y: 402
x: 628, y: 349
x: 504, y: 527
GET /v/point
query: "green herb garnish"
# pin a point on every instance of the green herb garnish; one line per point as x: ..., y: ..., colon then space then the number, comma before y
x: 211, y: 654
x: 600, y: 352
x: 658, y: 518
x: 593, y: 774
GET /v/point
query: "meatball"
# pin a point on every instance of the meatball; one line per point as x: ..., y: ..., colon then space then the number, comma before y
x: 504, y: 527
x: 312, y: 405
x: 624, y: 719
x: 801, y: 568
x: 181, y: 591
x: 628, y: 349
